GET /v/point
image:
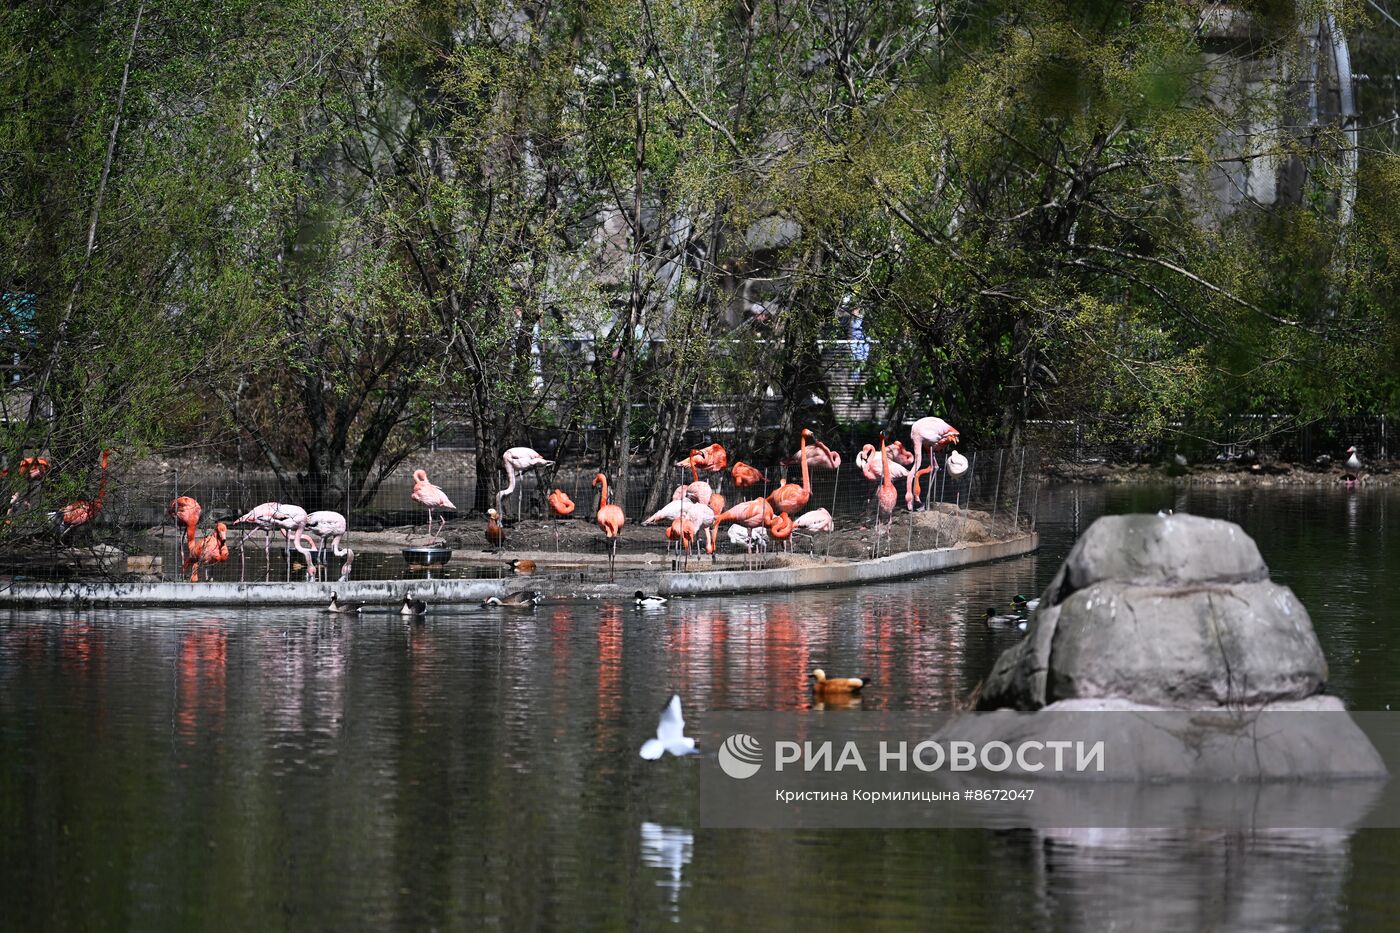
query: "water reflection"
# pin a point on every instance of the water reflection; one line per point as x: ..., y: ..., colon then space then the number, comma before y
x: 479, y: 768
x: 668, y: 848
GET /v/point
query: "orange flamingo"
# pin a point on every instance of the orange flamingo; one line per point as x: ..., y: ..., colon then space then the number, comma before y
x: 185, y: 512
x: 780, y: 528
x: 81, y: 511
x: 712, y: 459
x: 29, y: 468
x: 901, y: 455
x: 210, y: 549
x: 561, y: 506
x: 912, y: 492
x: 745, y: 475
x: 754, y: 513
x: 431, y: 496
x: 712, y: 532
x: 611, y: 520
x: 682, y: 531
x: 698, y: 489
x: 886, y: 497
x: 790, y: 497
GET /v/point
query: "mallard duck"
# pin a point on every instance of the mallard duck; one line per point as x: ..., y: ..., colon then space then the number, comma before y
x: 996, y: 618
x: 823, y: 684
x: 412, y: 606
x: 338, y: 606
x: 645, y: 600
x: 525, y: 599
x: 1029, y: 605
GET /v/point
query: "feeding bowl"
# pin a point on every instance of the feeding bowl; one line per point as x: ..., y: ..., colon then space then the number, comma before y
x: 427, y: 556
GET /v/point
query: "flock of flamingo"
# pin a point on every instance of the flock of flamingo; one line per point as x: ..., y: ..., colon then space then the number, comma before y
x: 697, y: 509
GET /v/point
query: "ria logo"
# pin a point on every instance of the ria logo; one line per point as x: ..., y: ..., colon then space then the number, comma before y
x: 740, y: 756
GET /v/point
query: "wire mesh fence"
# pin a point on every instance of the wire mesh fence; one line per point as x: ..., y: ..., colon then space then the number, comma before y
x: 995, y: 496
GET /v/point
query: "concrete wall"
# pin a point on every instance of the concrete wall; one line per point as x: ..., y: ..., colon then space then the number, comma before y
x: 894, y: 567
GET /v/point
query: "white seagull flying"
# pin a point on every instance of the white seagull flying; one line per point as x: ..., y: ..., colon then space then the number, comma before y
x: 670, y: 734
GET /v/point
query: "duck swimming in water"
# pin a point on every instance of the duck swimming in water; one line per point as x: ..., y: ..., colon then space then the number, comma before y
x: 1028, y: 605
x: 823, y: 684
x: 525, y: 599
x: 338, y: 606
x: 412, y: 606
x: 645, y: 600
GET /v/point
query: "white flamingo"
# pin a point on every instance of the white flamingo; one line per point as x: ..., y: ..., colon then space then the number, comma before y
x: 327, y: 526
x: 516, y: 460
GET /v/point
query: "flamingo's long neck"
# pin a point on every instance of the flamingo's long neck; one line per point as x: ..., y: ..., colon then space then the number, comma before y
x: 510, y: 487
x: 802, y: 455
x: 694, y: 473
x: 602, y: 503
x: 102, y: 481
x: 885, y: 465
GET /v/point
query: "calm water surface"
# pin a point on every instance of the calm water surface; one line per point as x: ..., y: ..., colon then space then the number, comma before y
x: 182, y: 769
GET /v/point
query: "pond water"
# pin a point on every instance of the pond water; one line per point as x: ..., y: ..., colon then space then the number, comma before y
x: 285, y: 769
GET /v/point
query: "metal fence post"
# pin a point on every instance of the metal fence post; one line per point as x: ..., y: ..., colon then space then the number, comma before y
x: 996, y: 492
x: 1016, y: 513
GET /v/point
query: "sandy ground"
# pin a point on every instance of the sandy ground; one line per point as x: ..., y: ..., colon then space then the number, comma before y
x: 580, y: 541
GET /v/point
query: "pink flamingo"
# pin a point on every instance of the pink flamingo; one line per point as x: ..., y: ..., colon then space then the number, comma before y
x: 611, y: 519
x: 933, y: 433
x: 290, y: 520
x: 262, y: 518
x: 885, y: 496
x: 325, y: 525
x: 433, y: 497
x: 516, y: 460
x: 810, y: 523
x: 870, y: 464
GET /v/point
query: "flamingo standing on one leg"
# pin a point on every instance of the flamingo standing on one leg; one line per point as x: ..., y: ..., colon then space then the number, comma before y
x: 611, y: 520
x: 431, y: 496
x: 325, y: 525
x: 516, y: 460
x: 81, y: 511
x: 885, y: 496
x: 210, y: 549
x: 562, y: 507
x: 185, y: 512
x: 931, y: 432
x: 790, y: 497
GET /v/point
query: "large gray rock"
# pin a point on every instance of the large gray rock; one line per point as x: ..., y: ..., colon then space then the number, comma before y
x: 1167, y: 549
x: 1170, y: 611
